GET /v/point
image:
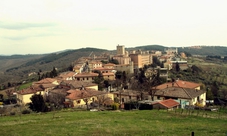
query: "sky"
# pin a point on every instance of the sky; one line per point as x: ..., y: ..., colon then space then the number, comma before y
x: 44, y: 26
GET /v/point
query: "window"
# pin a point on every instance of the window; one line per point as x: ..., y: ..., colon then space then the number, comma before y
x: 122, y: 100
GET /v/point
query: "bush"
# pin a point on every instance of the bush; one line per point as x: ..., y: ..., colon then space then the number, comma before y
x: 12, y: 113
x: 26, y: 111
x: 115, y: 106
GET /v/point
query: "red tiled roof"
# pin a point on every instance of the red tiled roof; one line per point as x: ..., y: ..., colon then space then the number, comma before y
x: 76, y: 94
x: 28, y: 91
x: 169, y: 103
x: 67, y: 74
x: 77, y: 84
x: 108, y: 74
x: 178, y: 92
x: 178, y: 83
x: 46, y: 81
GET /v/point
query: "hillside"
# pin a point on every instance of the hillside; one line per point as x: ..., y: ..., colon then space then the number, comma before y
x: 205, y: 50
x: 16, y: 60
x: 18, y: 67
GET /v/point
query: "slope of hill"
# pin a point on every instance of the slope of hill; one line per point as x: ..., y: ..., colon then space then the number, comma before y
x: 16, y: 60
x: 17, y: 70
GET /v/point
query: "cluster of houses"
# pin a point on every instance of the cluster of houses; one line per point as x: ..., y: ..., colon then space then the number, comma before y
x: 78, y: 89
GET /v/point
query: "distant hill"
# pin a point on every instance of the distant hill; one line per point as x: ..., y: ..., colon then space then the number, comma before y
x: 205, y: 50
x: 194, y: 50
x: 16, y: 60
x: 149, y: 47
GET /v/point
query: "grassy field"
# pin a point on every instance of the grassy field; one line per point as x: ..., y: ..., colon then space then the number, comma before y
x: 74, y: 123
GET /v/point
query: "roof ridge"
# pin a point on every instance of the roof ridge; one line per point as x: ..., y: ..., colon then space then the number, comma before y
x: 184, y: 90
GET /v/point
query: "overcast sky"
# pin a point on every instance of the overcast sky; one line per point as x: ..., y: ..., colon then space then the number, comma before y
x: 43, y: 26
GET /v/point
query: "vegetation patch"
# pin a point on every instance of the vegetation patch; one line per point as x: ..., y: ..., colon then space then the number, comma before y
x: 146, y: 122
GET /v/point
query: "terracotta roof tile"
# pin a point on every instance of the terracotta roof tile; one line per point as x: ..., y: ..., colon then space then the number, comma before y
x: 45, y: 81
x: 77, y: 84
x: 28, y: 91
x: 169, y: 103
x: 67, y: 74
x: 177, y: 92
x: 75, y: 94
x: 178, y: 83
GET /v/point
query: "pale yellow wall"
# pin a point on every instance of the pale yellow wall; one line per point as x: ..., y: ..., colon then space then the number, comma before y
x: 198, y: 88
x: 94, y: 87
x: 88, y: 79
x: 24, y: 99
x: 122, y: 60
x: 110, y: 95
x: 111, y: 77
x: 82, y: 102
x: 55, y: 82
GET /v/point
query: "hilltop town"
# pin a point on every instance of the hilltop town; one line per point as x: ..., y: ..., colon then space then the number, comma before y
x: 115, y: 80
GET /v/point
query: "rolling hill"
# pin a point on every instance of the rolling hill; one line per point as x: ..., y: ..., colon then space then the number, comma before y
x: 18, y: 67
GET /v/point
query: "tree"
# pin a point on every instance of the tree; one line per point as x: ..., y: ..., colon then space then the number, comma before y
x: 9, y: 93
x: 144, y: 84
x: 177, y: 67
x: 99, y: 80
x: 1, y: 97
x: 114, y: 61
x: 54, y: 72
x: 209, y: 95
x: 56, y: 99
x: 9, y: 84
x: 38, y: 103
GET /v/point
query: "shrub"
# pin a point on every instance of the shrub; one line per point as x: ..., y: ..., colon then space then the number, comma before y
x: 115, y: 106
x: 12, y: 113
x: 26, y: 111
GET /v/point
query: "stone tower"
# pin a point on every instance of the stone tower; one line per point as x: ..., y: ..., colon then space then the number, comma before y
x: 120, y: 49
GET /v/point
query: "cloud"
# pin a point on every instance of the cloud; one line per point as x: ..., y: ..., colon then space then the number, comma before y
x: 20, y: 26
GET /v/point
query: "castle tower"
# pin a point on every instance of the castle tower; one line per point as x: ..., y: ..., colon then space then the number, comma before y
x: 120, y: 49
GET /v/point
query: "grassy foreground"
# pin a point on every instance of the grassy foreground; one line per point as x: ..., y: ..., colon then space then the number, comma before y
x: 74, y: 123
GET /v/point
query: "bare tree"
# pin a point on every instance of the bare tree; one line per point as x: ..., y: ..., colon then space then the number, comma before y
x: 144, y: 82
x: 104, y: 100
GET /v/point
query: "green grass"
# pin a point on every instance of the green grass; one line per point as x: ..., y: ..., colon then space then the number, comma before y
x: 24, y: 86
x: 150, y: 122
